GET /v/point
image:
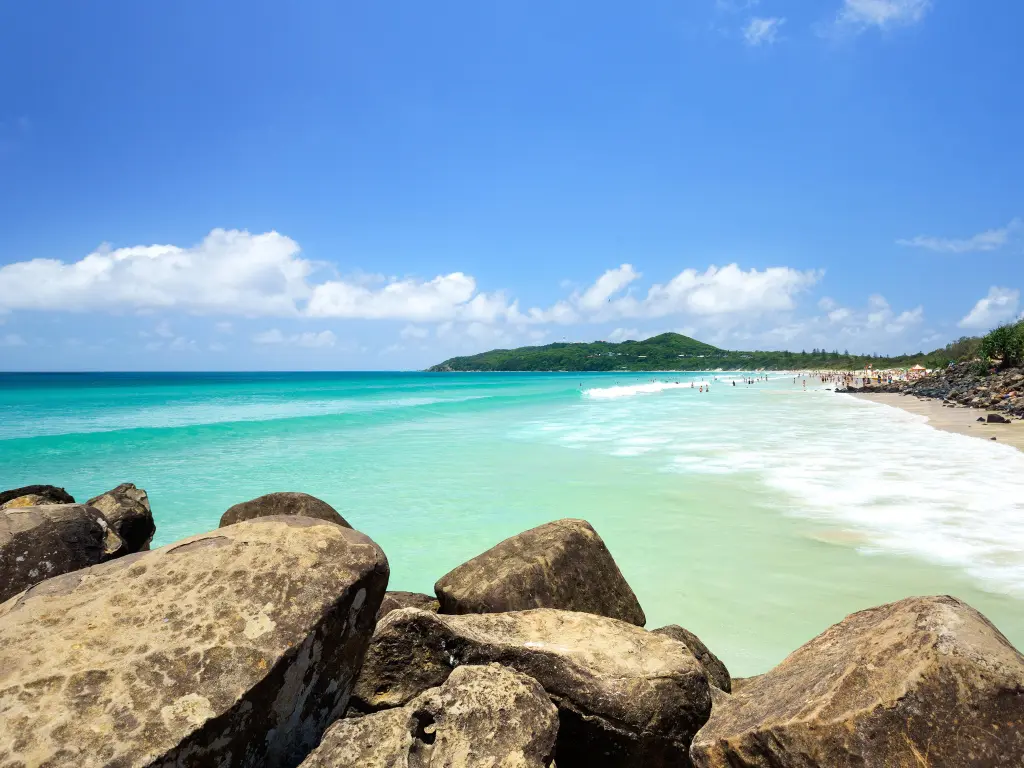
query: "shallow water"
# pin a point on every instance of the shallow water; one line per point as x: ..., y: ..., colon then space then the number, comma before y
x: 754, y: 515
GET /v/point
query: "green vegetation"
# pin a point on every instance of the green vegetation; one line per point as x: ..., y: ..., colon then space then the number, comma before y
x: 1005, y: 344
x: 674, y: 352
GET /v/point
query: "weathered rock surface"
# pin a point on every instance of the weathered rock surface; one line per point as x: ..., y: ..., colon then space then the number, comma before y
x: 51, y: 493
x: 37, y: 543
x: 927, y: 681
x: 563, y: 564
x: 995, y: 418
x: 233, y: 648
x: 285, y: 503
x: 127, y: 511
x: 714, y: 669
x: 626, y: 697
x: 481, y: 716
x: 31, y: 500
x: 394, y: 600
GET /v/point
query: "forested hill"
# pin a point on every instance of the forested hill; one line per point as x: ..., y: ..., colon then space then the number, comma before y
x: 675, y: 352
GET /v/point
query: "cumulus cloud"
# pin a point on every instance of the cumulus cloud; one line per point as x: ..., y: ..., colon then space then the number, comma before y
x: 999, y: 306
x: 882, y: 13
x: 410, y: 299
x: 728, y: 290
x: 230, y: 272
x: 990, y: 240
x: 308, y: 339
x: 762, y: 31
x: 624, y: 334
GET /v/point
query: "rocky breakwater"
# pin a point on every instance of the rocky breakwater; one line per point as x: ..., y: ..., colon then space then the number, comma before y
x: 965, y: 385
x: 272, y: 642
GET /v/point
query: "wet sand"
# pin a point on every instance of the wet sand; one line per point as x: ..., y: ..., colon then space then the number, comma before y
x: 963, y: 421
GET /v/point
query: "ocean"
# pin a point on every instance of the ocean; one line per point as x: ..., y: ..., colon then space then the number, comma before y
x: 755, y: 515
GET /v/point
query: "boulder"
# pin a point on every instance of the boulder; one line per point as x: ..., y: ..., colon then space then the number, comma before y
x: 127, y: 510
x: 285, y: 503
x: 995, y: 418
x: 38, y: 543
x: 563, y: 564
x: 925, y: 681
x: 714, y: 669
x: 233, y: 648
x: 31, y: 500
x: 481, y: 716
x: 625, y: 697
x: 394, y: 600
x: 51, y: 493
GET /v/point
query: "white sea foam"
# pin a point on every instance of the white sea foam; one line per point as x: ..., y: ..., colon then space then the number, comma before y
x: 905, y: 487
x: 629, y: 390
x: 207, y: 413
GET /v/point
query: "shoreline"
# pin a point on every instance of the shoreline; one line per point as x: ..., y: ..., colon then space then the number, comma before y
x: 961, y: 421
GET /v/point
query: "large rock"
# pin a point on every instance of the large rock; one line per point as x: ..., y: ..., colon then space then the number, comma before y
x: 481, y: 716
x: 563, y: 564
x: 233, y: 648
x: 626, y: 697
x: 925, y: 681
x: 393, y: 601
x: 37, y: 543
x: 31, y: 500
x: 127, y: 511
x: 51, y: 493
x: 714, y: 669
x: 285, y: 503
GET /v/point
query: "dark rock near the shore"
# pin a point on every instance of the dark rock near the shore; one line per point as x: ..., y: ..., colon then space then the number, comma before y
x: 284, y: 503
x: 127, y: 511
x: 395, y: 600
x: 481, y: 716
x: 714, y: 669
x: 626, y: 697
x: 981, y: 419
x: 38, y: 543
x: 925, y: 681
x: 995, y: 418
x: 563, y: 564
x: 232, y: 648
x: 51, y: 493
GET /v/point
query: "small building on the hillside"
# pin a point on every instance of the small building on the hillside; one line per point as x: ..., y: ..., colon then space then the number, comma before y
x: 916, y: 372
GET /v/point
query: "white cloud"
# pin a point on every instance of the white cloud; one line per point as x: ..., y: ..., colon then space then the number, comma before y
x: 414, y: 332
x: 999, y: 306
x: 11, y: 340
x: 839, y: 315
x: 623, y: 334
x: 409, y: 299
x: 224, y: 327
x: 727, y: 290
x: 990, y: 240
x: 308, y: 339
x: 904, y: 320
x: 762, y: 31
x: 230, y: 271
x: 882, y: 13
x: 163, y: 330
x: 607, y: 285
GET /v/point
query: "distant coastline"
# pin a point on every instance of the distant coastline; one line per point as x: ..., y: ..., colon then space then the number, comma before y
x: 675, y: 353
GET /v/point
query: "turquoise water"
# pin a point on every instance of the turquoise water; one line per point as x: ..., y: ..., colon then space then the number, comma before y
x: 755, y: 515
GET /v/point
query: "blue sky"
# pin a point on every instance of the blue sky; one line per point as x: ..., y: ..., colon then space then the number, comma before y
x: 334, y: 185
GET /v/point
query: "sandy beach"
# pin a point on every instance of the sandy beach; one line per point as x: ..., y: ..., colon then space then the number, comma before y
x: 963, y: 421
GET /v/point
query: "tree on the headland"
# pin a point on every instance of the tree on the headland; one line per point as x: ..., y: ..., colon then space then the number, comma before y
x: 1005, y: 344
